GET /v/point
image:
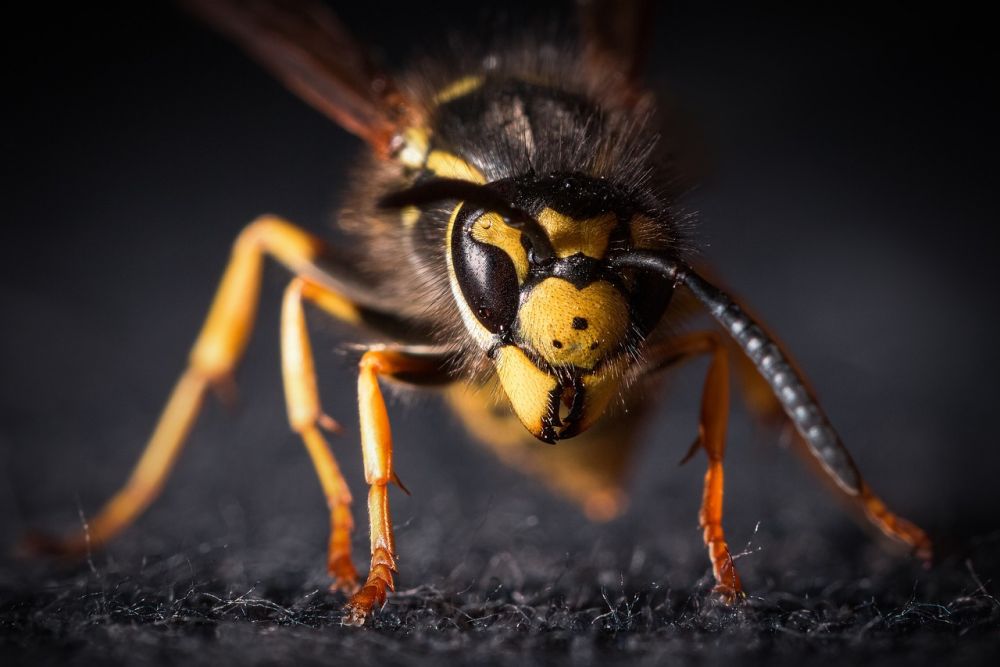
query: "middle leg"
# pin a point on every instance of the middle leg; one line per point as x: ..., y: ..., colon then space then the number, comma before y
x: 305, y: 417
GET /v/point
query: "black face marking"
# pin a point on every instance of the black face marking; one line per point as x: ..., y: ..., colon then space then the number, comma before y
x: 577, y: 269
x: 571, y: 425
x: 557, y: 344
x: 580, y: 323
x: 550, y: 420
x: 577, y: 196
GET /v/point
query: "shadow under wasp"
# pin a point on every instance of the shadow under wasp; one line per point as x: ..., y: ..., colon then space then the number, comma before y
x: 513, y: 242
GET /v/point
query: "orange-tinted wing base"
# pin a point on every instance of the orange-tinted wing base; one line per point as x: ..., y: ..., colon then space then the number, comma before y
x: 308, y: 49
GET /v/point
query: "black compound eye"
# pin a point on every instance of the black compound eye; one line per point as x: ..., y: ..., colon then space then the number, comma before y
x: 485, y: 274
x: 649, y: 300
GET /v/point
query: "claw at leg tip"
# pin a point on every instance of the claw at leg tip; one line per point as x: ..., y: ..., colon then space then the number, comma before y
x: 728, y: 595
x: 353, y: 617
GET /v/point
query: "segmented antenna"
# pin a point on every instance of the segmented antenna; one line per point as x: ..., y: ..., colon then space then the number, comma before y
x: 770, y: 360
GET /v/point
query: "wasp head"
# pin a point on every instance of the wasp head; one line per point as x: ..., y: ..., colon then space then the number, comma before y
x: 528, y: 262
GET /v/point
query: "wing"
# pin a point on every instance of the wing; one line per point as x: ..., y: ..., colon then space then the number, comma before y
x: 617, y: 36
x: 304, y: 45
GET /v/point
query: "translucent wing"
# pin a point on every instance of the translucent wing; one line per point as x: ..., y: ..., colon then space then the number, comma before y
x: 310, y: 51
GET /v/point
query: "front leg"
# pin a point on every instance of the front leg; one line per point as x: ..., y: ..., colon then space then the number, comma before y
x: 376, y: 446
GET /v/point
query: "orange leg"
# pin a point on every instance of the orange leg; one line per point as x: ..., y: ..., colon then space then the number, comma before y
x: 376, y: 446
x: 214, y: 357
x: 305, y: 417
x: 712, y: 438
x: 894, y: 526
x: 760, y: 396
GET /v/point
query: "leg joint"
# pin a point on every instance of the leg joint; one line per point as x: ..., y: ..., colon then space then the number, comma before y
x: 379, y: 478
x: 260, y: 229
x: 287, y: 243
x: 371, y: 362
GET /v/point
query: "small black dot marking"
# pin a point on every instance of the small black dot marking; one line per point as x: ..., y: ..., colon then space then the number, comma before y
x: 593, y: 346
x: 580, y: 323
x: 557, y: 344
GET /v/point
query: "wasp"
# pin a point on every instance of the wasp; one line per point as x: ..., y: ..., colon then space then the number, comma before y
x: 512, y: 240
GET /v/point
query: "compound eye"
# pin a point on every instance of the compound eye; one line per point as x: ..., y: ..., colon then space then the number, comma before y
x: 485, y: 273
x: 650, y: 298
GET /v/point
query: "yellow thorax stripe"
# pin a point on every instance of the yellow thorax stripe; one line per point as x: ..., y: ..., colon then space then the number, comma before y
x: 449, y: 165
x: 417, y: 154
x: 458, y: 88
x: 441, y: 163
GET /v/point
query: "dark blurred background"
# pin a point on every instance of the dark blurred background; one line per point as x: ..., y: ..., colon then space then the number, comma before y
x: 849, y: 195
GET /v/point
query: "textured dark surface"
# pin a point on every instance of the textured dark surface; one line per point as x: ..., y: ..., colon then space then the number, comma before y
x: 849, y: 197
x: 515, y: 596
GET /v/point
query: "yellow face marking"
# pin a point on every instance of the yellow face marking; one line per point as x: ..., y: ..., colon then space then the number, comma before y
x: 573, y: 327
x: 457, y: 89
x: 449, y: 165
x: 526, y: 386
x: 490, y: 228
x: 569, y: 236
